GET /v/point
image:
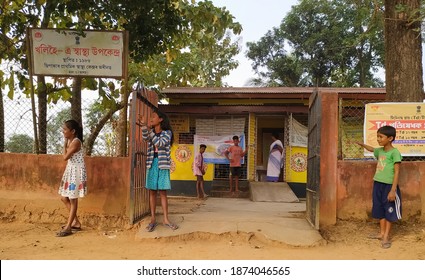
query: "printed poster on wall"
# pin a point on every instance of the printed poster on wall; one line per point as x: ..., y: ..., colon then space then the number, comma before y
x: 407, y: 118
x: 216, y: 146
x: 56, y: 52
x: 296, y: 164
x: 179, y: 123
x: 182, y: 157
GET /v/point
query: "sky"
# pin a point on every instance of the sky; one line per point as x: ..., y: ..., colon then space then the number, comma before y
x: 256, y: 17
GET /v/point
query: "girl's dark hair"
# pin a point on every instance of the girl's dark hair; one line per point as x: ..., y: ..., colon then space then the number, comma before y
x: 74, y: 125
x: 388, y: 131
x: 202, y: 146
x: 275, y: 134
x: 165, y: 124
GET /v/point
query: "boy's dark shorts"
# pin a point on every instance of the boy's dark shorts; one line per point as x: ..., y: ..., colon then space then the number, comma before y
x: 382, y: 208
x: 235, y: 171
x: 200, y: 177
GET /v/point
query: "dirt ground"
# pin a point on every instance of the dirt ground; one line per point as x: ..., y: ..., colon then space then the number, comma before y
x: 347, y: 240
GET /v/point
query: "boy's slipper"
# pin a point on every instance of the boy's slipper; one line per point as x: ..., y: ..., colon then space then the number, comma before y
x: 172, y: 226
x: 63, y: 233
x: 151, y: 227
x: 386, y: 245
x: 374, y: 236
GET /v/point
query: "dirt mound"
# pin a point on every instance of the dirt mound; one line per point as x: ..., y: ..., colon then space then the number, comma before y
x: 355, y: 231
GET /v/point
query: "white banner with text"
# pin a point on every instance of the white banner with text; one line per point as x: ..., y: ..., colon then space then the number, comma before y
x: 216, y: 146
x: 407, y: 118
x: 56, y: 52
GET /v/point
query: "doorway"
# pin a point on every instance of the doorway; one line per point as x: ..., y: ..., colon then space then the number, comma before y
x: 266, y: 125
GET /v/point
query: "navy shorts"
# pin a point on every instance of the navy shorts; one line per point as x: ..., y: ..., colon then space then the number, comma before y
x: 235, y: 171
x: 381, y: 207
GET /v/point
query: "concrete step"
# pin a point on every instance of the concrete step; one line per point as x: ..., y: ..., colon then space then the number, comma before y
x: 226, y: 188
x: 272, y: 192
x: 227, y: 194
x: 225, y: 183
x: 220, y: 188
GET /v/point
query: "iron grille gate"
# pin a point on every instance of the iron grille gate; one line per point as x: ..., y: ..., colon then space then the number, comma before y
x: 313, y: 160
x: 142, y: 104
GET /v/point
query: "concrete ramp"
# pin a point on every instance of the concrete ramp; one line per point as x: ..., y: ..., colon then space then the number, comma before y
x: 274, y: 221
x: 271, y: 192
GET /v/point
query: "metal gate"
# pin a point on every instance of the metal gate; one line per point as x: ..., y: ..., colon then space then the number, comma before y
x: 142, y: 104
x: 313, y: 160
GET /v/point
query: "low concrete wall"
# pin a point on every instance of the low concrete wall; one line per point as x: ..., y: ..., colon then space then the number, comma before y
x: 29, y: 184
x: 355, y: 182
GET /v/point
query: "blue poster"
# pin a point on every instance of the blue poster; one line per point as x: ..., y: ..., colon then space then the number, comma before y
x: 216, y: 146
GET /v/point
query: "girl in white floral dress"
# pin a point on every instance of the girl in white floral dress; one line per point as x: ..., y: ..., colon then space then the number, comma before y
x: 73, y: 184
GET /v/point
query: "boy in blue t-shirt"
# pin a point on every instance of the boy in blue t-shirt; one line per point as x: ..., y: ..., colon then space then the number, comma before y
x: 386, y: 193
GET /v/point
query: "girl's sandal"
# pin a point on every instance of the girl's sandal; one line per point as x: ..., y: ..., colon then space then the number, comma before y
x: 151, y: 227
x: 171, y: 226
x: 63, y: 233
x: 386, y: 245
x: 74, y: 228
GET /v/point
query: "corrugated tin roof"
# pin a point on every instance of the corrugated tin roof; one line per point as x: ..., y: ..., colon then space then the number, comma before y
x: 242, y: 99
x: 238, y: 109
x: 267, y: 90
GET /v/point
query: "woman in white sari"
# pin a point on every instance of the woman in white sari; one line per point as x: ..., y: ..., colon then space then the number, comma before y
x: 274, y: 164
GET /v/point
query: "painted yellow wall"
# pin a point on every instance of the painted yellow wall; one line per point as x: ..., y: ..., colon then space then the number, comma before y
x: 252, y: 127
x: 182, y: 156
x: 296, y: 164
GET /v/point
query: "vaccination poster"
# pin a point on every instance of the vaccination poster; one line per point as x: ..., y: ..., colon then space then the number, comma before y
x: 407, y: 118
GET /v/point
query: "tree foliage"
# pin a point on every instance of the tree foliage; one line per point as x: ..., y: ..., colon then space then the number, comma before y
x: 181, y: 31
x: 20, y: 143
x: 322, y: 43
x: 201, y: 54
x: 172, y: 42
x: 54, y: 131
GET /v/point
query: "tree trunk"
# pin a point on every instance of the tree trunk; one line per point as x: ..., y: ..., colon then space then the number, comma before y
x: 403, y: 52
x: 42, y: 92
x: 76, y: 101
x: 1, y: 119
x: 42, y: 114
x: 88, y: 144
x: 361, y: 66
x: 121, y: 149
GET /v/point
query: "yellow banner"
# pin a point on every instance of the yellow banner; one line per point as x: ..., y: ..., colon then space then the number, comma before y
x: 407, y: 118
x: 182, y: 157
x: 296, y: 164
x: 351, y: 133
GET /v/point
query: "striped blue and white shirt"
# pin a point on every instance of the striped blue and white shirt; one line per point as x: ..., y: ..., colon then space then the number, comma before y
x: 162, y: 141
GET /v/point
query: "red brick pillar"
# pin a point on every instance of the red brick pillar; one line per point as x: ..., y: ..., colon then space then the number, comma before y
x: 328, y: 158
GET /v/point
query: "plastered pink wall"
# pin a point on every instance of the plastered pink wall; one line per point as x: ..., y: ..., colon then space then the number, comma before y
x: 36, y: 178
x: 354, y: 192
